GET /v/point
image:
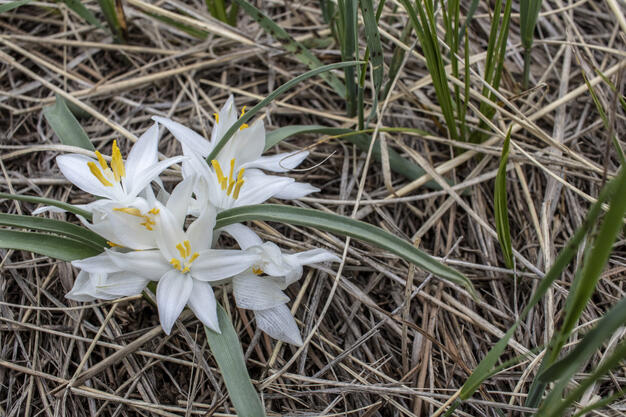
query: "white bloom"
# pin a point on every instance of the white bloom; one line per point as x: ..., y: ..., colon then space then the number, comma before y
x: 234, y: 176
x: 264, y: 294
x: 118, y: 182
x: 184, y: 265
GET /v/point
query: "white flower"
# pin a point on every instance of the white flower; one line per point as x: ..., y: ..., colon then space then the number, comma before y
x: 184, y: 265
x: 264, y: 294
x: 118, y: 182
x: 234, y: 176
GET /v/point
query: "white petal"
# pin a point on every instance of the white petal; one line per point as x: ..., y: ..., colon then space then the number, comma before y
x: 314, y: 256
x: 149, y: 264
x: 257, y: 293
x: 124, y: 230
x: 46, y: 209
x: 202, y: 303
x: 169, y: 233
x: 279, y: 324
x: 144, y: 152
x: 216, y: 264
x: 192, y: 140
x: 172, y: 294
x: 83, y: 290
x: 74, y: 167
x: 281, y: 162
x: 123, y: 284
x: 200, y: 232
x: 244, y: 146
x: 97, y: 264
x: 259, y: 188
x: 178, y: 202
x: 296, y: 190
x: 141, y: 179
x: 227, y: 117
x: 244, y: 236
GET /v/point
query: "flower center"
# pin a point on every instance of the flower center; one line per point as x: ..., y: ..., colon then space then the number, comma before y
x: 148, y: 218
x: 229, y: 184
x: 184, y: 264
x: 107, y: 175
x: 257, y: 271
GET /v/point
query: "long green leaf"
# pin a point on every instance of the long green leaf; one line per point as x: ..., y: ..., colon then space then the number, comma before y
x: 500, y: 207
x: 228, y: 354
x: 254, y: 110
x: 114, y: 14
x: 529, y: 13
x: 48, y: 202
x: 66, y: 126
x: 55, y: 226
x: 13, y: 5
x: 300, y: 51
x: 346, y: 226
x: 79, y: 8
x: 57, y: 247
x: 374, y: 45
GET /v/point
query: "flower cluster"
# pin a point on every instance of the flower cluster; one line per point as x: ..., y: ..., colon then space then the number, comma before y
x: 171, y: 238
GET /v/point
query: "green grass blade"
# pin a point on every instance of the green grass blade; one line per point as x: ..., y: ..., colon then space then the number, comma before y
x: 228, y: 354
x: 396, y: 60
x: 57, y: 247
x: 500, y: 207
x: 114, y: 15
x: 529, y: 13
x: 66, y: 126
x: 300, y: 52
x: 55, y: 226
x: 13, y: 5
x: 374, y: 45
x: 79, y: 8
x: 598, y: 404
x: 348, y: 40
x: 267, y: 100
x: 346, y: 226
x: 48, y: 202
x: 484, y: 368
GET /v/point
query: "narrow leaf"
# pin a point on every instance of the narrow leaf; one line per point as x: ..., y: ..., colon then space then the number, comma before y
x: 57, y: 247
x: 13, y: 5
x: 48, y: 202
x: 374, y: 45
x: 79, y: 8
x: 500, y: 207
x: 66, y: 126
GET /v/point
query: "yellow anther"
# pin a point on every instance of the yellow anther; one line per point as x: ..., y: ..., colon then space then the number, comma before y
x: 230, y: 187
x: 218, y: 170
x: 129, y: 210
x: 257, y: 271
x: 147, y: 225
x: 101, y: 160
x: 244, y: 126
x: 111, y: 244
x: 181, y: 250
x: 176, y: 264
x: 98, y: 174
x: 243, y: 110
x: 185, y: 269
x: 187, y: 248
x: 217, y: 117
x: 193, y: 257
x: 240, y: 175
x: 154, y: 211
x: 230, y: 174
x: 224, y: 183
x: 237, y: 189
x: 117, y: 164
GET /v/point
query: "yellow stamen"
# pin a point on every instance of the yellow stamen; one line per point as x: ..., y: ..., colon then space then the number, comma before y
x: 218, y: 170
x: 193, y: 257
x: 101, y: 160
x: 176, y: 264
x: 111, y: 244
x: 230, y: 187
x: 185, y: 269
x: 224, y: 183
x: 240, y: 175
x: 257, y: 271
x: 129, y: 210
x: 181, y: 250
x: 243, y: 111
x: 244, y: 126
x: 96, y: 173
x: 117, y: 164
x: 230, y: 174
x: 154, y: 211
x: 217, y: 117
x: 187, y: 248
x: 237, y: 189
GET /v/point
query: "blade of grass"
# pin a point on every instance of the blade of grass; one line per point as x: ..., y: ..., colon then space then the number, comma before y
x: 500, y: 207
x: 79, y: 8
x: 48, y: 202
x: 301, y: 53
x: 253, y: 111
x: 374, y: 46
x: 66, y: 126
x: 57, y: 247
x: 529, y: 13
x: 345, y: 226
x: 13, y: 5
x: 347, y: 36
x: 226, y: 350
x: 114, y: 15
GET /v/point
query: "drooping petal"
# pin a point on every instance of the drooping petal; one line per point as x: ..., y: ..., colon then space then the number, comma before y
x: 253, y: 292
x: 141, y: 179
x: 172, y: 294
x: 200, y: 232
x: 217, y: 264
x: 144, y: 152
x: 279, y: 323
x: 178, y: 202
x: 97, y: 264
x: 244, y: 236
x: 187, y: 137
x: 202, y: 303
x: 122, y: 284
x: 296, y: 190
x: 74, y: 167
x: 314, y: 256
x: 83, y: 290
x: 149, y: 264
x: 281, y: 162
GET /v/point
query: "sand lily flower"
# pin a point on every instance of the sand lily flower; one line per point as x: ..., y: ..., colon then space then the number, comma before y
x: 184, y: 265
x: 235, y: 177
x: 118, y: 182
x: 260, y: 288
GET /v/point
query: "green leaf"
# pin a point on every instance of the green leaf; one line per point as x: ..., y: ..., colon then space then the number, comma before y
x: 57, y: 247
x: 500, y: 207
x: 374, y: 45
x: 48, y: 202
x: 79, y: 8
x: 267, y: 100
x: 114, y: 14
x: 346, y: 226
x: 55, y: 226
x: 228, y: 354
x: 13, y: 5
x: 300, y: 52
x: 66, y: 126
x: 529, y: 13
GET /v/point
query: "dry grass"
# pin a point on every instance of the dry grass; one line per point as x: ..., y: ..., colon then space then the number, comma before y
x: 391, y: 340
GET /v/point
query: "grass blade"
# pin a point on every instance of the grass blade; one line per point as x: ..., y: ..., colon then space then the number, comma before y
x: 116, y: 19
x: 228, y: 354
x: 300, y: 51
x: 500, y: 207
x: 13, y: 5
x: 346, y: 226
x: 529, y: 13
x: 374, y: 45
x: 66, y: 126
x: 48, y: 202
x: 57, y: 247
x: 79, y: 8
x: 254, y: 110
